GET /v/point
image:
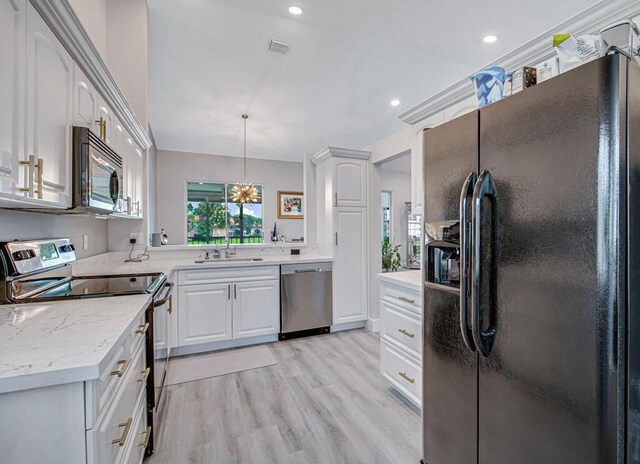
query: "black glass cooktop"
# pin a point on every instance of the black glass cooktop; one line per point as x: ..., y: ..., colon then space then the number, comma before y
x: 98, y: 286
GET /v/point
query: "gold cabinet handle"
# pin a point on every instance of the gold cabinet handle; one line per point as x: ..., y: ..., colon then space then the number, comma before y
x: 40, y: 168
x: 123, y: 438
x: 147, y: 435
x: 145, y: 374
x: 31, y: 164
x: 143, y: 328
x: 123, y: 367
x: 408, y: 334
x: 102, y: 123
x: 406, y: 300
x: 406, y: 377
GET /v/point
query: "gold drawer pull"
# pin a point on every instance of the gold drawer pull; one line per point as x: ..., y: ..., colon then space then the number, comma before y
x: 145, y: 374
x: 123, y: 367
x: 31, y: 166
x: 123, y: 438
x: 40, y: 168
x: 408, y: 334
x: 147, y: 435
x: 143, y: 328
x: 406, y: 377
x: 407, y: 300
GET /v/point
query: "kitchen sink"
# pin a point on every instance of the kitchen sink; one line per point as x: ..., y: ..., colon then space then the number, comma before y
x: 227, y: 260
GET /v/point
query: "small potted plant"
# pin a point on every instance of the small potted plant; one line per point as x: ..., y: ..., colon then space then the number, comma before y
x: 390, y: 257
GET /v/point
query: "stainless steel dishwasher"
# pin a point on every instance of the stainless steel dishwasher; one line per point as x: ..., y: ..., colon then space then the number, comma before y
x: 306, y: 299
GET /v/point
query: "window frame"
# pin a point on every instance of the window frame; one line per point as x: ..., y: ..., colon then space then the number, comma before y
x: 226, y: 192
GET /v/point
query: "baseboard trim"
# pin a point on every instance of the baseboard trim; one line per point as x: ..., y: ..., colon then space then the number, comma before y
x: 373, y: 325
x: 224, y: 345
x: 348, y: 326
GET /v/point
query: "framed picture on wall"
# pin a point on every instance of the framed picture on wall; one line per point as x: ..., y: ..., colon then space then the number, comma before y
x: 290, y: 205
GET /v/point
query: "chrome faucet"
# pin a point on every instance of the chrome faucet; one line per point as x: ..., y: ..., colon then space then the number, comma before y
x: 228, y: 253
x: 212, y: 253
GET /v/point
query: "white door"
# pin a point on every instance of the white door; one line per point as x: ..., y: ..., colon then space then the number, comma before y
x: 13, y: 19
x: 108, y: 119
x: 350, y: 268
x: 49, y: 109
x: 350, y: 182
x: 256, y: 308
x: 138, y: 178
x: 85, y: 100
x: 204, y: 313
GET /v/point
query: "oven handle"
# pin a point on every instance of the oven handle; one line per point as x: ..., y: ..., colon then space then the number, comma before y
x: 166, y: 297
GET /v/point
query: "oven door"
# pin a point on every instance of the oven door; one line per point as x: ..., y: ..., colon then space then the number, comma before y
x: 158, y: 354
x: 105, y: 180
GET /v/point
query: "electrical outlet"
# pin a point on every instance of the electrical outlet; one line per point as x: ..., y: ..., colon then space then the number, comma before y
x: 135, y: 238
x: 85, y: 242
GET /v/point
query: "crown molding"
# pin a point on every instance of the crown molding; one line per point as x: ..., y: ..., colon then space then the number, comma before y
x: 64, y: 23
x: 340, y: 152
x: 536, y: 50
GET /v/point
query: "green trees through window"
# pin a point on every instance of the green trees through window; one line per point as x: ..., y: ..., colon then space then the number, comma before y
x: 212, y: 220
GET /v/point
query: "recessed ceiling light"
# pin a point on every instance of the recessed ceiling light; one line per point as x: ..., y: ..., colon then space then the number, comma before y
x: 490, y: 39
x: 295, y: 10
x: 395, y: 102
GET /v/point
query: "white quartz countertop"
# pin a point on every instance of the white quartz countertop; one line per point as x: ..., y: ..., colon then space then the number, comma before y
x: 407, y: 279
x: 43, y: 344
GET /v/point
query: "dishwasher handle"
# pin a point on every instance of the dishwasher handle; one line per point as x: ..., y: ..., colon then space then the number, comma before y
x: 302, y: 271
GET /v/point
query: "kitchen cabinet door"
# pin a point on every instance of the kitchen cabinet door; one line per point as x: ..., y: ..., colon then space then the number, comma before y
x: 138, y: 181
x: 49, y: 110
x: 13, y: 19
x: 256, y: 308
x: 204, y: 313
x: 350, y: 182
x: 350, y: 271
x: 106, y: 114
x: 417, y: 156
x: 85, y: 101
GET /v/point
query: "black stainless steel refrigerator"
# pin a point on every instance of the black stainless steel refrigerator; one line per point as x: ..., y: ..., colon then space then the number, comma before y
x: 531, y: 308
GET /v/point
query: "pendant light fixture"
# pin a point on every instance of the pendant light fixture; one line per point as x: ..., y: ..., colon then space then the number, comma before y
x: 245, y: 192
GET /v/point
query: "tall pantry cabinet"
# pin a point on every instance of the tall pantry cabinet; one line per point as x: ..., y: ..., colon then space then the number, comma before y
x: 341, y: 179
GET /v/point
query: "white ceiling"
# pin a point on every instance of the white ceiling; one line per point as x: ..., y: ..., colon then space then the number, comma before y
x: 209, y: 63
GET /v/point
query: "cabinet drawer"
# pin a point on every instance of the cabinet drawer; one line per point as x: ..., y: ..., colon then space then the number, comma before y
x: 106, y: 442
x: 241, y: 274
x: 140, y: 433
x: 402, y: 297
x: 402, y: 328
x: 402, y: 371
x: 100, y: 392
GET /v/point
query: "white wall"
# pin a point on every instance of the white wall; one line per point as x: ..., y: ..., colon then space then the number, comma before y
x: 174, y: 169
x: 128, y: 52
x: 93, y: 16
x: 24, y: 226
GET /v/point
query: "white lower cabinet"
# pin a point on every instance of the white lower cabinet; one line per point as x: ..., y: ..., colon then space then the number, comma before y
x: 100, y: 421
x: 204, y: 313
x: 220, y: 304
x: 401, y: 339
x: 256, y: 308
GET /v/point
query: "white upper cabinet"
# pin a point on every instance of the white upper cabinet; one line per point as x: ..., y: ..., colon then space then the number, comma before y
x: 417, y: 154
x: 85, y: 100
x: 13, y: 19
x: 350, y: 182
x: 104, y: 116
x: 49, y: 112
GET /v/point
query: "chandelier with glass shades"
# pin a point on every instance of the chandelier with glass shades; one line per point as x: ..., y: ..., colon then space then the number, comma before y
x: 245, y: 192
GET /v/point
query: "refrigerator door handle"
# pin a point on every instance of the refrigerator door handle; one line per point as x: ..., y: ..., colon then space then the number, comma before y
x: 485, y: 187
x: 465, y: 242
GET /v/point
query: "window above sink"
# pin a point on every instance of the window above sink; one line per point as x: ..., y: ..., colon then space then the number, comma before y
x: 213, y: 219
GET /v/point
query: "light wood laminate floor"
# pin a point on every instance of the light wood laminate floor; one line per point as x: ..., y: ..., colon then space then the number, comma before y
x: 324, y: 402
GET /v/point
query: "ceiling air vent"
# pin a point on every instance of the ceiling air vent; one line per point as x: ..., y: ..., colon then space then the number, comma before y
x: 279, y: 46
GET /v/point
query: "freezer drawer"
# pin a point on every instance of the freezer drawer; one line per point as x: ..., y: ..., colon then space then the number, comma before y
x: 306, y: 297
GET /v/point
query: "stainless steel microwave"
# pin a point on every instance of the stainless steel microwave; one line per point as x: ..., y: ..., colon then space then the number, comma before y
x: 97, y: 174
